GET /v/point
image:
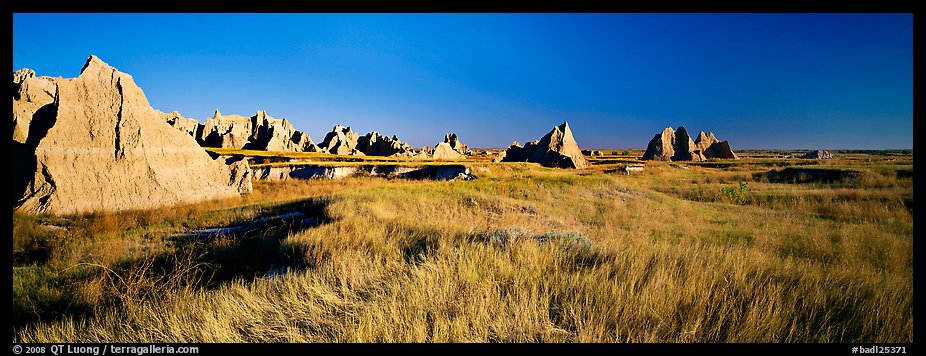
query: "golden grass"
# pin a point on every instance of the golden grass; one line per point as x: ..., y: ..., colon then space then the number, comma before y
x: 530, y: 254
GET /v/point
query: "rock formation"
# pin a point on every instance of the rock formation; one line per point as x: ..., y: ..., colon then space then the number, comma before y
x: 426, y: 151
x: 592, y: 153
x: 340, y: 141
x: 704, y: 141
x: 455, y: 144
x: 685, y: 149
x: 818, y: 154
x: 30, y: 93
x: 374, y: 144
x: 188, y: 126
x: 443, y: 150
x: 231, y: 131
x: 101, y: 147
x: 558, y: 148
x: 711, y: 147
x: 450, y: 148
x: 672, y: 145
x: 258, y: 132
x: 241, y: 176
x: 303, y: 141
x: 720, y: 150
x: 661, y: 147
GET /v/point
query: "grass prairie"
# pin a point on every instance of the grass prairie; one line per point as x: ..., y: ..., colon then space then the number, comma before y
x: 677, y: 253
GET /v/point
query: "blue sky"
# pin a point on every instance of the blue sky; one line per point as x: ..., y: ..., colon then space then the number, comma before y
x: 758, y: 80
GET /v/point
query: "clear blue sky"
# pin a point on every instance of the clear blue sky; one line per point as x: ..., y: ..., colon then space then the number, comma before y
x: 758, y: 80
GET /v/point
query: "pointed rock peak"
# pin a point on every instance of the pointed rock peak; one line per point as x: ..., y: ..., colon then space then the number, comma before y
x: 681, y: 129
x: 564, y: 127
x: 94, y: 63
x: 668, y: 130
x: 217, y: 114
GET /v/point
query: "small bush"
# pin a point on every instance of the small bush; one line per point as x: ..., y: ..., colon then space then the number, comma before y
x: 736, y: 195
x: 502, y: 238
x: 569, y: 240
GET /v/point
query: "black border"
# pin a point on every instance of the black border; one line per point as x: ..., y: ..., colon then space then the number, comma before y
x: 658, y: 6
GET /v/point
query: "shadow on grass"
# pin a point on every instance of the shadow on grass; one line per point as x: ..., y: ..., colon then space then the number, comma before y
x: 205, y: 259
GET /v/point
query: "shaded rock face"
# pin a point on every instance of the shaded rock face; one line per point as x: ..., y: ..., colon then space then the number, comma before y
x: 126, y: 158
x: 231, y: 131
x: 672, y: 145
x: 30, y: 93
x: 558, y: 148
x: 455, y: 144
x: 304, y: 141
x: 711, y: 147
x: 443, y: 150
x: 720, y: 150
x: 374, y: 144
x: 818, y: 154
x: 685, y: 149
x: 340, y: 141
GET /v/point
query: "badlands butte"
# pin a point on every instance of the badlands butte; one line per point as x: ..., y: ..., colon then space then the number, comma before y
x: 94, y: 144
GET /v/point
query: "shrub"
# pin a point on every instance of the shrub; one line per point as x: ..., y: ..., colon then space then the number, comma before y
x: 736, y: 195
x: 502, y: 238
x: 570, y: 240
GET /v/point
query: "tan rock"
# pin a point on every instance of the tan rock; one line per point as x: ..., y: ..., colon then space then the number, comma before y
x: 106, y: 149
x: 231, y: 131
x: 37, y: 89
x: 240, y: 177
x: 454, y: 142
x: 558, y: 148
x: 304, y: 142
x: 341, y: 141
x: 661, y: 147
x: 30, y: 93
x: 375, y: 144
x: 678, y: 146
x: 21, y: 75
x: 444, y: 151
x: 189, y: 126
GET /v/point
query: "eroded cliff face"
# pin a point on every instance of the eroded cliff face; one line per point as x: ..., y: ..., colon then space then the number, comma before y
x: 99, y: 146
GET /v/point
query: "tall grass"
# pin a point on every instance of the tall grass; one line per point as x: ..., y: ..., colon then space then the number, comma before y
x: 531, y: 254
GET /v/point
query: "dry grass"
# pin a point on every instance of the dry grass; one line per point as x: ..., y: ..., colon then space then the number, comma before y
x: 521, y: 254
